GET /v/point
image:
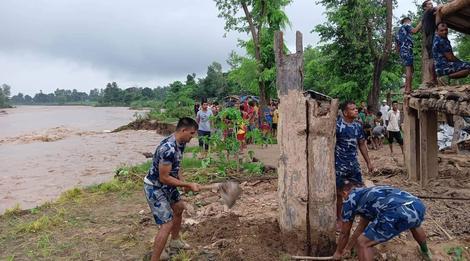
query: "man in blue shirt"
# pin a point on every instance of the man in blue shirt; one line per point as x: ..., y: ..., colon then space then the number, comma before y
x: 349, y: 136
x: 160, y: 186
x: 404, y: 45
x: 384, y: 213
x: 444, y: 59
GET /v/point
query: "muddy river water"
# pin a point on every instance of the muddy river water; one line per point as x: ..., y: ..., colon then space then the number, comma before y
x: 45, y: 150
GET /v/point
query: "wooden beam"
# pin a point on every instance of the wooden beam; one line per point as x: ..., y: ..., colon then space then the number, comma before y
x: 321, y: 139
x: 453, y: 7
x: 428, y: 146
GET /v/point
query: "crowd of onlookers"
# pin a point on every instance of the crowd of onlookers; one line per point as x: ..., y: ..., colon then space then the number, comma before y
x: 265, y: 120
x: 386, y: 123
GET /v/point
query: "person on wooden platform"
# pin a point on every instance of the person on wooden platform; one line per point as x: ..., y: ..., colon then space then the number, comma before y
x: 404, y: 46
x: 444, y: 59
x: 384, y: 212
x: 349, y: 136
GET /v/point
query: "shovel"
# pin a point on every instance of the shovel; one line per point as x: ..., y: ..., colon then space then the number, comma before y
x: 229, y: 191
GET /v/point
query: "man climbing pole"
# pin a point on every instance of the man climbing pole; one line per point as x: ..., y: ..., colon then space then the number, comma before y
x: 384, y: 213
x: 349, y: 136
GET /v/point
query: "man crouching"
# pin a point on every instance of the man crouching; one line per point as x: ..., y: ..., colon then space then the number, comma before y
x: 384, y: 213
x: 160, y: 186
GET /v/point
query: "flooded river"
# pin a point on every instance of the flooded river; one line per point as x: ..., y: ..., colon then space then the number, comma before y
x: 45, y: 150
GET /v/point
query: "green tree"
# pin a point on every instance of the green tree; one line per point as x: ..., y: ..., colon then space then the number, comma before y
x: 4, y: 95
x: 358, y: 35
x: 260, y: 18
x: 214, y: 84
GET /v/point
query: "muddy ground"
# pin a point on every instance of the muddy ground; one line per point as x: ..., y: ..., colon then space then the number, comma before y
x: 250, y: 231
x: 118, y: 225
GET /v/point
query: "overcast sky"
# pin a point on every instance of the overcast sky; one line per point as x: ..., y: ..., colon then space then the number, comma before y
x: 72, y: 44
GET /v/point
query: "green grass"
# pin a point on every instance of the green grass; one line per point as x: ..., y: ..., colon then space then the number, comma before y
x: 14, y: 211
x: 191, y: 163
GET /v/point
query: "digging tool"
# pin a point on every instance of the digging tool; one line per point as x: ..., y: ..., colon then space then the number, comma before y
x: 229, y: 191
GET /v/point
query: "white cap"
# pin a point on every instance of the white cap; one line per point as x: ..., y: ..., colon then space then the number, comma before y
x: 384, y: 101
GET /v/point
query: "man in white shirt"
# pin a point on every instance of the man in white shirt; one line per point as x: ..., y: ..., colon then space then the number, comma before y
x: 393, y: 127
x: 384, y: 108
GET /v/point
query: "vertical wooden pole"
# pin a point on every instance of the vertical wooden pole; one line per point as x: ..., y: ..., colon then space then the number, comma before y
x: 292, y: 170
x: 426, y: 63
x: 411, y: 133
x: 428, y: 146
x: 321, y: 139
x: 458, y: 125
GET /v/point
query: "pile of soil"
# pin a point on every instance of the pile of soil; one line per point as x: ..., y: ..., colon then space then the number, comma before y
x: 162, y: 128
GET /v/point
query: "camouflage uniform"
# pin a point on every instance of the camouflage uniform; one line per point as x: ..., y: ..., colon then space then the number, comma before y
x: 346, y: 164
x: 389, y: 210
x: 404, y: 40
x: 443, y: 66
x: 159, y: 196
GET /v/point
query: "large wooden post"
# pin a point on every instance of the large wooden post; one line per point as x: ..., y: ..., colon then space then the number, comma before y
x: 411, y: 133
x: 428, y: 146
x: 321, y: 141
x: 292, y: 171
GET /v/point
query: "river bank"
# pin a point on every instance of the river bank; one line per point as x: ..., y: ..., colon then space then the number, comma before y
x: 112, y: 221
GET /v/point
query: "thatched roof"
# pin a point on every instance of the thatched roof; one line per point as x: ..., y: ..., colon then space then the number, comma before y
x: 457, y: 15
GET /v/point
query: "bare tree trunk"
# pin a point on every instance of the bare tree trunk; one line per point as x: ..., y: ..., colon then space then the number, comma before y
x: 380, y: 59
x: 255, y: 34
x: 374, y: 94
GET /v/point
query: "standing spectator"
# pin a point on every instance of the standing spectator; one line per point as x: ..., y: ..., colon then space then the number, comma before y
x: 384, y: 108
x: 275, y: 120
x: 378, y: 132
x: 196, y: 108
x: 265, y: 129
x: 393, y: 127
x: 268, y: 115
x: 241, y: 133
x: 252, y: 116
x: 257, y: 114
x: 361, y: 115
x: 203, y: 120
x: 349, y: 137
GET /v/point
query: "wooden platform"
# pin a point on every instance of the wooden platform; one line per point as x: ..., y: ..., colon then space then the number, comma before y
x: 457, y: 15
x: 447, y: 99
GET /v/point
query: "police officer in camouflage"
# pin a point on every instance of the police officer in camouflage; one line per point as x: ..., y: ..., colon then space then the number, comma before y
x: 349, y: 137
x: 384, y: 213
x: 160, y: 186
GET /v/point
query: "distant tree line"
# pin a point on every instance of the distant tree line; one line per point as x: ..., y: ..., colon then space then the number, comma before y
x: 215, y: 85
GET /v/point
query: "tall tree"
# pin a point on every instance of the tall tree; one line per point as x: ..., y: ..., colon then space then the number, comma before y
x: 380, y: 43
x: 358, y: 34
x: 260, y: 19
